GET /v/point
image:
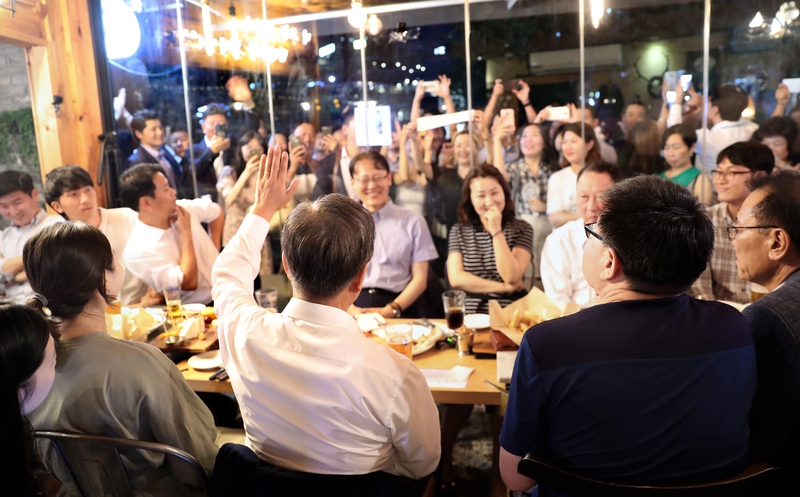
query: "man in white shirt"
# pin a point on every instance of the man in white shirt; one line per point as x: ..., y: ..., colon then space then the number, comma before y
x: 168, y: 243
x: 316, y: 395
x: 562, y: 255
x: 727, y: 124
x: 19, y: 204
x: 69, y: 190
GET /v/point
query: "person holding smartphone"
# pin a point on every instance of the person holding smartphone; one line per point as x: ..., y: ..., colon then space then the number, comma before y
x: 214, y: 143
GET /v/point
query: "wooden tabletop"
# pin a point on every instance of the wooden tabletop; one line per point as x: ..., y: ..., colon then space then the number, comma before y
x: 477, y: 392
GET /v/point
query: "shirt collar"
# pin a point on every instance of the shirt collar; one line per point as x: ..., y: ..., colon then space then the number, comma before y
x: 207, y: 141
x: 319, y: 314
x: 156, y: 153
x: 384, y: 211
x: 32, y: 222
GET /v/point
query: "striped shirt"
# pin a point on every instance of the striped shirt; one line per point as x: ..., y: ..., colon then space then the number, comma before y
x: 475, y: 245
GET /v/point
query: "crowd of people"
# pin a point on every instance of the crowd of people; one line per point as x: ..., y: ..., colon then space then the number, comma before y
x: 652, y: 381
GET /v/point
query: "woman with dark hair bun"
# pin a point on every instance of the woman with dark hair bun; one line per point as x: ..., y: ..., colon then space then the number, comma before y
x: 27, y: 368
x: 105, y: 386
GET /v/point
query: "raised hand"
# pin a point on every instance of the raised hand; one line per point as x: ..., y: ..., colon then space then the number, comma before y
x: 523, y: 92
x: 271, y: 192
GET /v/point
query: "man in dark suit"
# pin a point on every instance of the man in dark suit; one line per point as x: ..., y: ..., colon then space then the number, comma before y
x: 767, y: 242
x: 146, y: 126
x: 215, y: 141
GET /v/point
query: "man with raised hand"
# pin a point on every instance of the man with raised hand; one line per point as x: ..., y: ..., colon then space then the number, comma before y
x: 336, y: 402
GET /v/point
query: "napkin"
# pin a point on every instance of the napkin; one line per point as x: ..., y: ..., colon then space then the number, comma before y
x: 458, y: 377
x: 370, y: 321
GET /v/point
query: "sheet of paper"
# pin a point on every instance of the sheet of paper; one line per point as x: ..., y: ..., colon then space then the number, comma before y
x: 458, y: 377
x: 438, y: 121
x: 505, y: 365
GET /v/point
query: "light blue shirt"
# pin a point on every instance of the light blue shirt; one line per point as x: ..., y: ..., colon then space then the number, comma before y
x: 401, y: 239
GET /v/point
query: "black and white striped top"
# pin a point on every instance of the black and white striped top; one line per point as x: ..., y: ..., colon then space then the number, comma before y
x: 475, y: 246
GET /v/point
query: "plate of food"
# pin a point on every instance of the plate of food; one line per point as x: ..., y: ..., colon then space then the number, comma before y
x: 134, y: 323
x: 424, y: 338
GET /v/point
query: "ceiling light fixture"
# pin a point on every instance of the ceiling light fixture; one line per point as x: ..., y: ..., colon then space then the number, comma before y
x: 357, y: 17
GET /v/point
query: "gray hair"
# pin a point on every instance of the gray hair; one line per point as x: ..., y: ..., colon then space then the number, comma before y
x: 326, y: 243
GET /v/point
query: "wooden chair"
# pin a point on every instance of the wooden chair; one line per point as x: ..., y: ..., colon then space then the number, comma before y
x: 755, y: 480
x: 94, y: 464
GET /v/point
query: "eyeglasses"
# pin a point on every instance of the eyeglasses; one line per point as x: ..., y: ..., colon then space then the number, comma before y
x: 728, y: 175
x: 587, y: 228
x: 734, y: 230
x: 377, y: 178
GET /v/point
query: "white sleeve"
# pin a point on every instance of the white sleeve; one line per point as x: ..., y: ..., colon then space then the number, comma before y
x: 151, y: 266
x: 415, y: 428
x: 555, y: 195
x: 555, y: 270
x: 203, y: 208
x: 675, y: 115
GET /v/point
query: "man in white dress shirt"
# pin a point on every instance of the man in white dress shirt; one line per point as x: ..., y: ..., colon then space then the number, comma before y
x: 562, y: 255
x: 168, y: 243
x: 19, y: 204
x: 69, y: 190
x: 316, y: 395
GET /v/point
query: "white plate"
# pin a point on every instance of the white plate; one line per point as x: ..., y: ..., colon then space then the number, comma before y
x: 206, y: 360
x: 476, y: 321
x: 416, y: 333
x: 194, y: 308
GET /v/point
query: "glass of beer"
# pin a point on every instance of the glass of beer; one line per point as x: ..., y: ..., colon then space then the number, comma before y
x: 399, y: 339
x: 454, y: 307
x: 172, y: 296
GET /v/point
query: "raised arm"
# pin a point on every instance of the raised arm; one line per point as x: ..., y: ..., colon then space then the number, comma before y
x: 523, y: 94
x: 402, y: 174
x: 501, y: 131
x: 444, y: 94
x: 782, y: 97
x: 488, y: 112
x: 418, y: 95
x: 188, y: 262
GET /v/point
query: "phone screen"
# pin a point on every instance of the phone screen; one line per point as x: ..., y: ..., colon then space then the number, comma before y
x: 671, y: 96
x: 686, y: 80
x: 221, y: 130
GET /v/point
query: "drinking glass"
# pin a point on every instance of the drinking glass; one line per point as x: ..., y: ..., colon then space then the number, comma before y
x: 172, y: 297
x: 267, y: 298
x: 399, y: 339
x: 454, y: 306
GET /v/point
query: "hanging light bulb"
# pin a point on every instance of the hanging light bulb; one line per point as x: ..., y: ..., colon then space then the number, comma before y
x: 598, y: 10
x: 374, y: 25
x: 775, y: 27
x: 757, y: 21
x: 357, y: 17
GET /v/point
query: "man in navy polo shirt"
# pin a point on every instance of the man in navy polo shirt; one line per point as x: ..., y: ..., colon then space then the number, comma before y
x: 650, y: 385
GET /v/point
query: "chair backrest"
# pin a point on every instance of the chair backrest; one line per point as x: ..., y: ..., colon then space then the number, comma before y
x: 752, y: 481
x: 238, y: 471
x: 95, y: 465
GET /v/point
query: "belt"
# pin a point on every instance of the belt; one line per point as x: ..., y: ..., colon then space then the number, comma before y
x: 378, y: 291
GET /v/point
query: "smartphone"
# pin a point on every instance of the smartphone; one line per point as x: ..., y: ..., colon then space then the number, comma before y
x: 326, y: 130
x: 558, y: 113
x: 507, y: 115
x: 294, y: 142
x: 431, y: 86
x: 511, y: 84
x: 255, y: 152
x: 221, y: 130
x: 686, y: 80
x: 670, y: 79
x: 671, y: 96
x: 793, y: 84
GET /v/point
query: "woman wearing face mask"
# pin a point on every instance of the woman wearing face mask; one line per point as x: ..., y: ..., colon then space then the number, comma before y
x: 577, y: 152
x: 679, y: 145
x: 237, y: 188
x: 489, y: 251
x: 105, y: 386
x: 27, y: 368
x: 527, y: 179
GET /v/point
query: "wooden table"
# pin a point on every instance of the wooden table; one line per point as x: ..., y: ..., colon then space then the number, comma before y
x: 477, y: 392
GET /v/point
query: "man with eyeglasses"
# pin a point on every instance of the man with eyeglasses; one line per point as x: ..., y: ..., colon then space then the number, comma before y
x: 737, y: 166
x: 766, y: 237
x: 397, y: 275
x: 562, y: 254
x: 649, y: 384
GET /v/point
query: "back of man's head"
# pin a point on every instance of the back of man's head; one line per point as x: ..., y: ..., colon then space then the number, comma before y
x: 660, y: 232
x: 65, y: 179
x: 139, y: 121
x: 752, y: 155
x: 781, y: 203
x: 326, y: 244
x: 15, y: 181
x: 730, y: 100
x: 137, y: 182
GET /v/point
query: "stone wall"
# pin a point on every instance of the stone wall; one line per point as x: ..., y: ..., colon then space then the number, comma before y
x: 17, y: 139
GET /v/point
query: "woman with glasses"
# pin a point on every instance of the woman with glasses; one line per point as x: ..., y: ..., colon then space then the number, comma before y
x: 27, y: 368
x: 104, y: 386
x: 527, y: 179
x: 679, y: 144
x: 237, y: 188
x: 780, y: 135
